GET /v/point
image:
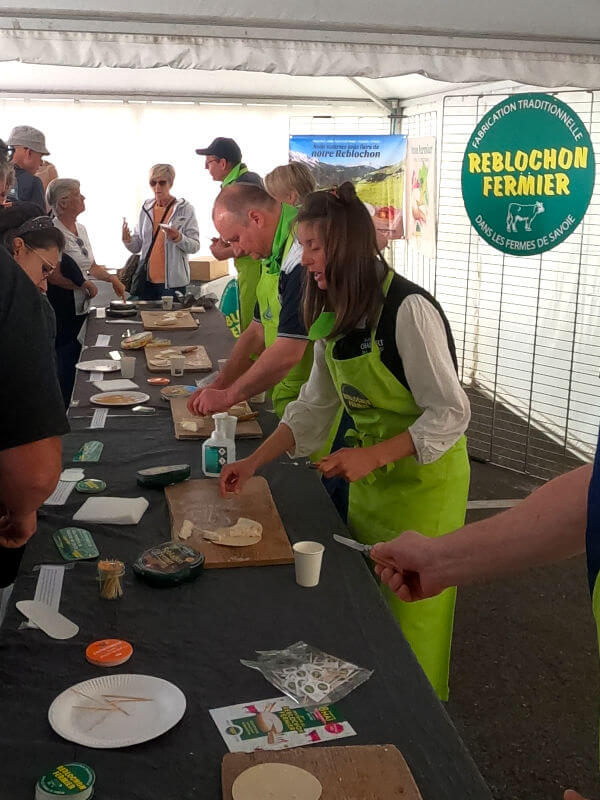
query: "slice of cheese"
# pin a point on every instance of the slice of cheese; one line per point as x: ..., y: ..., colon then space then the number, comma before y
x: 186, y: 529
x: 189, y: 425
x: 245, y: 532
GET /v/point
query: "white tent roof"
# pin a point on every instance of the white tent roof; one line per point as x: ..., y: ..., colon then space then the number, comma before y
x: 539, y: 42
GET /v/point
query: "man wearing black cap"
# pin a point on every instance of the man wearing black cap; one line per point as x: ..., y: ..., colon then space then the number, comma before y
x: 224, y: 163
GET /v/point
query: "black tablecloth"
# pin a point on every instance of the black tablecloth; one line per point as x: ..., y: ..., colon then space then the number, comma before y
x: 195, y: 634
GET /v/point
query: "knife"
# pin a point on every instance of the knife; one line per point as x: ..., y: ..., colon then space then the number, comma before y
x: 362, y: 548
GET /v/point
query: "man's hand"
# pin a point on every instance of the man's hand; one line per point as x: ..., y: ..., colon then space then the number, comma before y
x: 571, y: 794
x: 125, y: 233
x: 235, y: 476
x: 15, y: 531
x: 118, y: 287
x: 210, y: 401
x: 90, y: 288
x: 408, y: 566
x: 351, y: 463
x: 220, y: 250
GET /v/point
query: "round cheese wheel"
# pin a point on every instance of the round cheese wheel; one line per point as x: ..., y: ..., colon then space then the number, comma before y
x: 276, y: 782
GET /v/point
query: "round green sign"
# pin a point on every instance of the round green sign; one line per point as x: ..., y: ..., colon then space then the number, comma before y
x: 528, y: 174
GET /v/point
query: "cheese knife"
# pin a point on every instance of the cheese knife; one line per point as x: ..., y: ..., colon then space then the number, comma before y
x: 362, y: 548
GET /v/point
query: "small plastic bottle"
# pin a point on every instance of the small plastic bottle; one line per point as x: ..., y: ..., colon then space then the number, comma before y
x: 217, y: 450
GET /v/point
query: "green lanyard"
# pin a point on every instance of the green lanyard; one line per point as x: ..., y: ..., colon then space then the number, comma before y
x: 235, y: 173
x: 272, y: 264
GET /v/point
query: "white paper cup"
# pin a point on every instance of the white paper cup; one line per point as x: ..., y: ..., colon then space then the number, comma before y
x: 307, y: 558
x: 221, y: 362
x: 177, y: 365
x: 167, y: 302
x: 127, y: 366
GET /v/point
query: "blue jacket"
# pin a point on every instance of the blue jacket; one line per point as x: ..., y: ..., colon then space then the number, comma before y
x: 177, y: 268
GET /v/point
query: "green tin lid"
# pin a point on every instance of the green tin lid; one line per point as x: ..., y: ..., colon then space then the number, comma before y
x: 73, y: 780
x: 75, y: 544
x: 90, y: 486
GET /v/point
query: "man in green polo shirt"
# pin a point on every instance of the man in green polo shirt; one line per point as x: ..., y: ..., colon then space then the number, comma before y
x: 224, y: 163
x: 253, y: 222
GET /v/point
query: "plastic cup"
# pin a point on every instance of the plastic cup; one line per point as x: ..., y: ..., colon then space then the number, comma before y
x: 177, y: 365
x: 221, y: 362
x: 307, y: 559
x: 127, y: 366
x: 167, y: 302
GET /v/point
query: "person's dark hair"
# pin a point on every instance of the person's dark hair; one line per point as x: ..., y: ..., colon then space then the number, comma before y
x: 239, y: 198
x: 353, y: 261
x: 24, y: 220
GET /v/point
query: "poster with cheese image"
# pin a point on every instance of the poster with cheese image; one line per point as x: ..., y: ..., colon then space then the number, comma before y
x: 528, y: 174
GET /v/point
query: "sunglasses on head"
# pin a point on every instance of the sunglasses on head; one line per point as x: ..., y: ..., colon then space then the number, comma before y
x: 34, y: 224
x: 154, y: 182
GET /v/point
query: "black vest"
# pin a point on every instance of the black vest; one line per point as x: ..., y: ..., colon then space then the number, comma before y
x: 359, y: 341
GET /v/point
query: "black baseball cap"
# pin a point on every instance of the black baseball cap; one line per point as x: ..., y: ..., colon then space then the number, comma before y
x: 223, y: 148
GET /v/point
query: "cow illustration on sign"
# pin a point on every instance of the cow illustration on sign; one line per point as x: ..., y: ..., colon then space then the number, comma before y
x: 520, y: 213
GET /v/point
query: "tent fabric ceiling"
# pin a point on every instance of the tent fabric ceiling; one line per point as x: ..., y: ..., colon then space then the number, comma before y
x: 534, y: 42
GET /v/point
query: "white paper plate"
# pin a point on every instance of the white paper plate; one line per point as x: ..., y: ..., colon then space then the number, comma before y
x: 128, y: 398
x: 144, y: 720
x: 99, y: 365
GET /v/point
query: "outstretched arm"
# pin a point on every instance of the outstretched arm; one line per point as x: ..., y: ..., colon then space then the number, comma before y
x: 547, y: 526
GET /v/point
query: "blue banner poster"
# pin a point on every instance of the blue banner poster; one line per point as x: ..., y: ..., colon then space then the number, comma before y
x: 374, y: 164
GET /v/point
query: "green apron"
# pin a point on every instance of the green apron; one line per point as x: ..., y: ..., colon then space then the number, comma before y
x: 267, y: 294
x: 404, y: 495
x: 248, y: 270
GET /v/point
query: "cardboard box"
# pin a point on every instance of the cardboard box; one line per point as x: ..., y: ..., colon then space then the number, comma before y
x: 207, y: 268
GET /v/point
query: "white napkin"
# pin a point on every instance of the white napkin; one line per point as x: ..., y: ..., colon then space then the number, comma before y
x: 117, y: 385
x: 112, y: 510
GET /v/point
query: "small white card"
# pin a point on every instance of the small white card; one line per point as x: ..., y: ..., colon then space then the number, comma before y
x: 100, y: 313
x: 118, y: 385
x: 61, y: 494
x: 99, y: 418
x: 95, y: 376
x: 103, y: 340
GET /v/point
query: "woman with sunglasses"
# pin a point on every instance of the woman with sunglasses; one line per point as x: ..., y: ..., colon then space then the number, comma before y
x: 167, y: 233
x: 64, y: 197
x: 36, y: 246
x: 385, y: 353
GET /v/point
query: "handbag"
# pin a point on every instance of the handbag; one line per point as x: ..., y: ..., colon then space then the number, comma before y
x: 127, y: 273
x: 140, y: 276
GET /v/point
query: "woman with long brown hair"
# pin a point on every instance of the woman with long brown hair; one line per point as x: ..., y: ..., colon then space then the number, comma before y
x: 383, y: 350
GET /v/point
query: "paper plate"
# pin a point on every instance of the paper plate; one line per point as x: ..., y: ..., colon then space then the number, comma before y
x: 99, y: 365
x: 116, y: 399
x: 162, y: 708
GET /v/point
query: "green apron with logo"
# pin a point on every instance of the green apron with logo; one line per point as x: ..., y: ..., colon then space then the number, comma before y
x: 404, y: 495
x: 248, y: 270
x: 267, y: 294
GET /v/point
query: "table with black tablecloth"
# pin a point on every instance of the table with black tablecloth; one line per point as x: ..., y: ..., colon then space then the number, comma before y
x: 194, y: 635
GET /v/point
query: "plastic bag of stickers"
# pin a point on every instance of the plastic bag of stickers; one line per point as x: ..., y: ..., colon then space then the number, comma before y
x: 307, y: 675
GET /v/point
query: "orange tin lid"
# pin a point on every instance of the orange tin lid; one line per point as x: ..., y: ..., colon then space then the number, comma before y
x: 158, y: 381
x: 108, y: 652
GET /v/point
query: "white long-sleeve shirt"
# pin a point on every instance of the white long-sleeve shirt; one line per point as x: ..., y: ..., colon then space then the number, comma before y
x: 423, y: 347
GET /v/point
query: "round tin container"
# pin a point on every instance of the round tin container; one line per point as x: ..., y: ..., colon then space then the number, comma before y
x: 90, y: 486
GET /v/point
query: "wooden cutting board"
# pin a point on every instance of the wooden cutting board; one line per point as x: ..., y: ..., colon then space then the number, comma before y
x: 196, y: 361
x: 154, y: 321
x: 206, y: 425
x: 200, y: 502
x: 369, y: 772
